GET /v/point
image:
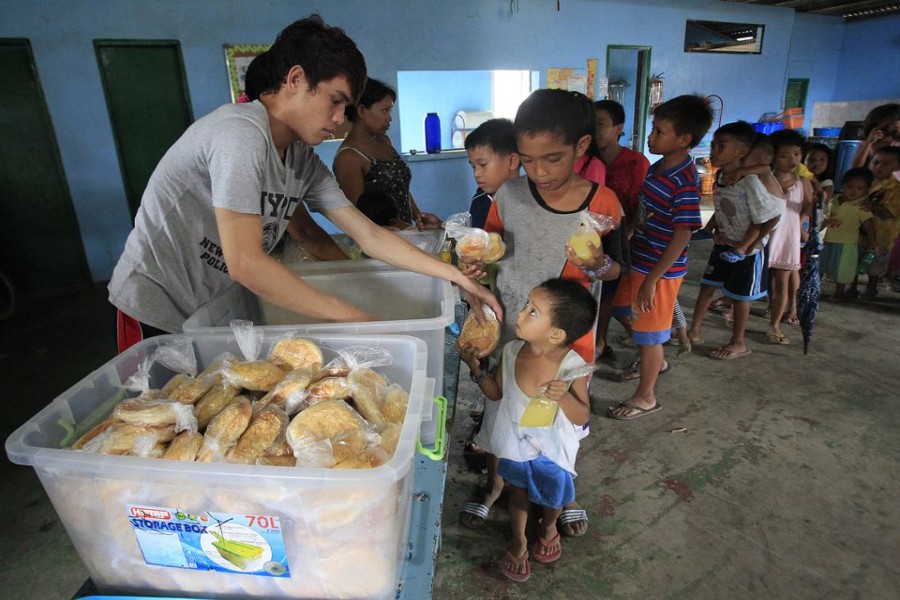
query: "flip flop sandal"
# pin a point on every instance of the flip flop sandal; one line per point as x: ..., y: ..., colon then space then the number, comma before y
x: 777, y: 338
x: 540, y: 546
x: 568, y: 517
x: 473, y: 515
x: 641, y: 412
x: 513, y: 574
x: 634, y: 370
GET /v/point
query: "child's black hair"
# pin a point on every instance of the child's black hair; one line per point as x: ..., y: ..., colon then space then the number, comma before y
x: 590, y: 126
x: 740, y: 131
x: 858, y: 173
x: 687, y: 114
x: 828, y: 173
x: 556, y: 112
x: 787, y: 137
x: 573, y: 307
x: 324, y: 52
x: 375, y: 91
x: 615, y: 110
x: 497, y: 135
x: 889, y: 150
x: 762, y: 143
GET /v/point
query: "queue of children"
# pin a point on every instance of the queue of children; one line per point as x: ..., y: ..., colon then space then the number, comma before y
x: 765, y: 193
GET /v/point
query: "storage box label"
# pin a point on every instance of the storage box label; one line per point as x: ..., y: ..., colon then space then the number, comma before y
x: 248, y: 544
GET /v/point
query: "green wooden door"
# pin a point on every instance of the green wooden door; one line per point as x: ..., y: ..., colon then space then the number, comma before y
x: 40, y: 243
x: 148, y: 102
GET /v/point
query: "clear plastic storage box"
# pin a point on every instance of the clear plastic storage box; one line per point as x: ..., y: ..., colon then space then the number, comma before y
x: 324, y: 533
x: 408, y: 303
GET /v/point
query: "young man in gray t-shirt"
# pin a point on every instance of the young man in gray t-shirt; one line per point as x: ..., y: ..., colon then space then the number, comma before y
x: 229, y: 188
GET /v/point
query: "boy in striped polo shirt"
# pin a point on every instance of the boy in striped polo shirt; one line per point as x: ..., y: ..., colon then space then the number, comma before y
x: 668, y: 213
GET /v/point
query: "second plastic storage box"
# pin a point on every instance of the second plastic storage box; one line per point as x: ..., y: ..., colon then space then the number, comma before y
x: 408, y: 303
x: 145, y: 526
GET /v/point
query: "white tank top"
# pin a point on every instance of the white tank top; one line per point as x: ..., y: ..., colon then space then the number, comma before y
x: 558, y: 442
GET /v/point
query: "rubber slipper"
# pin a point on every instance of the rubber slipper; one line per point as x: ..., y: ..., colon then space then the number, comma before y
x: 777, y: 338
x: 567, y: 519
x: 513, y: 573
x: 473, y: 515
x: 721, y: 353
x: 541, y: 546
x: 634, y: 370
x: 641, y: 412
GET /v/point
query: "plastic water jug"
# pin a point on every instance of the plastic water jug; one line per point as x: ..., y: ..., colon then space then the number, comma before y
x: 432, y: 133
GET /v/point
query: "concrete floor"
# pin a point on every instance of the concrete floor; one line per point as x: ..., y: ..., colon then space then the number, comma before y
x: 772, y: 476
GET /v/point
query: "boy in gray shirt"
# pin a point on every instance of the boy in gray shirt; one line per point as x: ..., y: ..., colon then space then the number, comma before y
x: 229, y: 188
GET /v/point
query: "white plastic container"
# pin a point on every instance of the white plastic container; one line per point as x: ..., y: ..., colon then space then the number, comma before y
x: 344, y: 532
x: 410, y: 304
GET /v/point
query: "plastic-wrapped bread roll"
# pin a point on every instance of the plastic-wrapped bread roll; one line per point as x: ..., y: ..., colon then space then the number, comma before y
x: 366, y: 387
x: 326, y: 433
x: 218, y: 397
x: 184, y: 447
x: 495, y: 249
x: 329, y: 388
x: 256, y: 375
x: 225, y: 429
x: 93, y: 432
x: 483, y: 336
x: 264, y: 430
x: 396, y: 401
x: 288, y: 393
x: 156, y: 413
x: 296, y: 353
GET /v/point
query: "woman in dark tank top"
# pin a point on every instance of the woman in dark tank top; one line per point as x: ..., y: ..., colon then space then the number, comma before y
x: 370, y: 171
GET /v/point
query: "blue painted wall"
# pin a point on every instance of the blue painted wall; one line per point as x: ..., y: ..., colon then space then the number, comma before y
x: 424, y: 93
x: 404, y: 35
x: 870, y: 62
x: 817, y: 45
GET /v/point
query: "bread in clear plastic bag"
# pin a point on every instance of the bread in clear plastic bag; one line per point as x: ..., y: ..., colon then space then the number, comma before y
x: 264, y: 430
x: 184, y: 446
x: 482, y: 336
x: 225, y: 429
x: 295, y: 353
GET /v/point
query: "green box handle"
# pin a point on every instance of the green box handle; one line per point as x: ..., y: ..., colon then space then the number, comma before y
x: 440, y: 439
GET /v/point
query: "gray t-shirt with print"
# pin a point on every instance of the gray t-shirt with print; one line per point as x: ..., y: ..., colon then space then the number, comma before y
x: 172, y: 262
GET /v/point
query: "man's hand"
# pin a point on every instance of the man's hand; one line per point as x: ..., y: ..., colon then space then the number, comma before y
x: 477, y: 295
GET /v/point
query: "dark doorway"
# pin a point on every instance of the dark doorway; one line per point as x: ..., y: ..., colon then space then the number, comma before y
x: 148, y: 102
x: 40, y: 243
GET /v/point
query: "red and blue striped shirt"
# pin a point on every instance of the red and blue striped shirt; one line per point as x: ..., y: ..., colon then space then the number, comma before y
x: 669, y: 199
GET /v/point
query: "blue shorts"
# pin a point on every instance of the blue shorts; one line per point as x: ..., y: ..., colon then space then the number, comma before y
x: 744, y: 280
x: 547, y: 483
